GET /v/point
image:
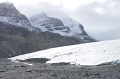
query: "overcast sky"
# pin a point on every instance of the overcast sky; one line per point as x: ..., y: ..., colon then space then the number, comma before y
x: 100, y: 18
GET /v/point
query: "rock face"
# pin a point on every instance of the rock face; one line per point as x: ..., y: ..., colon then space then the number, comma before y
x: 9, y: 14
x: 8, y: 9
x: 64, y: 27
x: 18, y: 36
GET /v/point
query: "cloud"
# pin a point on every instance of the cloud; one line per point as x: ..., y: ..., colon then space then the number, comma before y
x: 101, y: 20
x: 51, y: 10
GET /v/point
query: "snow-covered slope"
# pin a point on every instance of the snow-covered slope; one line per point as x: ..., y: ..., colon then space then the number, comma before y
x: 83, y: 54
x: 9, y: 14
x: 64, y: 27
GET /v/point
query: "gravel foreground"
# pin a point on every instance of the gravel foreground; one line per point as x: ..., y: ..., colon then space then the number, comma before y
x: 12, y: 70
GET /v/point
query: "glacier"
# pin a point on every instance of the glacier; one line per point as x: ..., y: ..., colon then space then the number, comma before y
x: 80, y: 54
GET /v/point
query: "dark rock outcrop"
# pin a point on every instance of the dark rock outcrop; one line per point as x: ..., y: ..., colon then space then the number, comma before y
x: 35, y: 60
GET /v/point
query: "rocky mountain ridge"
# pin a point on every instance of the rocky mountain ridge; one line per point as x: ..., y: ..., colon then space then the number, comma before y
x: 64, y: 27
x: 18, y: 36
x: 9, y: 14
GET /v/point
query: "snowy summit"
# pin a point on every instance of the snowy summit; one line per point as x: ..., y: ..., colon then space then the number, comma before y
x: 64, y: 27
x: 9, y: 14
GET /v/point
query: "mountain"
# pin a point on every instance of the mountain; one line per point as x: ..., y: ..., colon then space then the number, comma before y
x: 17, y: 40
x: 18, y: 36
x: 83, y: 54
x: 64, y: 27
x: 9, y: 14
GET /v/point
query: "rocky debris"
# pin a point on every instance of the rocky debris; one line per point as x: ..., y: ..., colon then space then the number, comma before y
x: 54, y: 75
x: 39, y: 71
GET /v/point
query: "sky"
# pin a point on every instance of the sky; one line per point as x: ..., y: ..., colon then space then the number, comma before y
x: 100, y: 18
